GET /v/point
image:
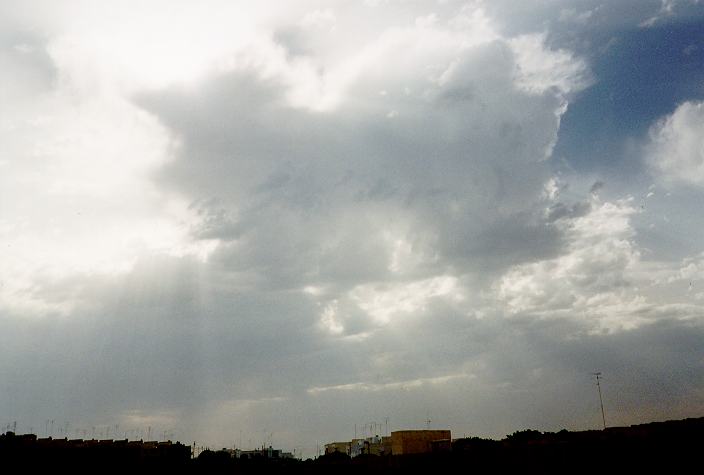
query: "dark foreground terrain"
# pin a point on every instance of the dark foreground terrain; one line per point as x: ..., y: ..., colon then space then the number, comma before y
x: 665, y: 447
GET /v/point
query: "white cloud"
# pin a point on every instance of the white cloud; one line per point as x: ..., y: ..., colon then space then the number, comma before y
x: 675, y: 152
x: 590, y: 280
x: 383, y: 302
x: 329, y: 319
x: 691, y: 269
x: 539, y: 69
x: 600, y: 279
x: 389, y: 386
x: 319, y: 19
x: 76, y: 197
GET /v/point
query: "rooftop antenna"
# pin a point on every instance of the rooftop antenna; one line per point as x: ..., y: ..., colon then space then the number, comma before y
x: 386, y: 421
x: 597, y: 375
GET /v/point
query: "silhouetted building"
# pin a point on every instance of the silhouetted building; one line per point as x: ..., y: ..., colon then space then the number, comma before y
x: 405, y: 442
x: 29, y: 451
x: 262, y: 453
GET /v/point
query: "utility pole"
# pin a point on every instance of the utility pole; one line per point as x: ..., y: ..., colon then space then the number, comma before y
x: 597, y: 375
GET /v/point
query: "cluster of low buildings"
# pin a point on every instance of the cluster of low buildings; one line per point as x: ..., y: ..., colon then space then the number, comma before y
x: 262, y: 453
x: 401, y: 442
x: 29, y: 446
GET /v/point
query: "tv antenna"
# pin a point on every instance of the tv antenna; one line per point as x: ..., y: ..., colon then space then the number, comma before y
x: 597, y: 376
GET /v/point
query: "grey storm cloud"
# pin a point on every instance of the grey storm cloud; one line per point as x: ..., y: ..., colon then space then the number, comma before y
x: 456, y: 174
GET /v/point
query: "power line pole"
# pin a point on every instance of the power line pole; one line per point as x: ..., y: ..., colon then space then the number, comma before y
x: 597, y: 375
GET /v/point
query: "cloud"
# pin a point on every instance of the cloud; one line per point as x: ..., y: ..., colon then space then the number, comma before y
x: 539, y: 68
x: 396, y: 385
x: 285, y: 170
x: 675, y: 151
x: 600, y: 278
x: 598, y: 185
x: 588, y: 281
x: 667, y: 8
x: 319, y: 19
x: 76, y: 194
x: 326, y: 217
x: 32, y: 70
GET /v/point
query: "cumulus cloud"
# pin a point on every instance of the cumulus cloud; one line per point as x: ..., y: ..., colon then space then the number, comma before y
x: 539, y: 69
x: 676, y: 148
x: 590, y: 280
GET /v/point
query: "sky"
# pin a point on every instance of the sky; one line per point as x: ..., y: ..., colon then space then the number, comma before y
x: 246, y: 223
